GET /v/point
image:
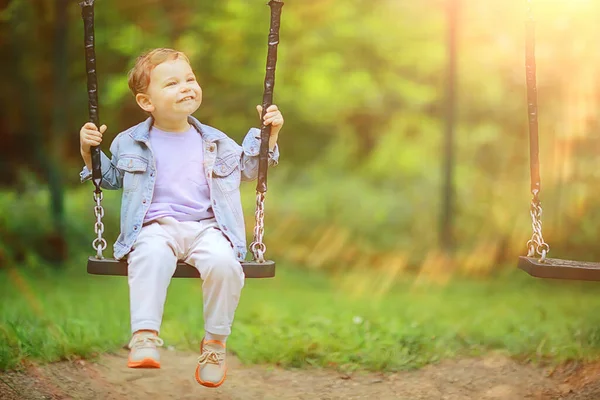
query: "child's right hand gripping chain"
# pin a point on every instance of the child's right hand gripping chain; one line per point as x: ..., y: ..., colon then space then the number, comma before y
x: 89, y: 136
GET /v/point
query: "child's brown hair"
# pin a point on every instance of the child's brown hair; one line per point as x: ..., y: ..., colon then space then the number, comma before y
x: 139, y: 76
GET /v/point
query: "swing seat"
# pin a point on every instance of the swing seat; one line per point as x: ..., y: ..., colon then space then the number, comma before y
x: 114, y: 267
x: 554, y: 268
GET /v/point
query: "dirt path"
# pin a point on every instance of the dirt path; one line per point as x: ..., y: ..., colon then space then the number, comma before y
x: 494, y: 377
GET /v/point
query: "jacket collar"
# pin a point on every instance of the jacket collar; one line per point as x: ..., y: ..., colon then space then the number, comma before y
x: 141, y: 132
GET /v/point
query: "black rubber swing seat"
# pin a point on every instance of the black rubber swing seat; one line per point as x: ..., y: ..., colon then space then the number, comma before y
x: 554, y: 268
x: 108, y: 266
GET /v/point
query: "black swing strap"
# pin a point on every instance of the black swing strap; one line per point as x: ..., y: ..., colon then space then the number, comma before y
x: 257, y: 246
x: 87, y: 14
x: 536, y: 244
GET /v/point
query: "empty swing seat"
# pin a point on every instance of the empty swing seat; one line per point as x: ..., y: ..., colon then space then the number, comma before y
x: 554, y: 268
x: 107, y: 266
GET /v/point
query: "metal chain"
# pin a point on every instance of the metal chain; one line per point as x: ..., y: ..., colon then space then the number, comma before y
x: 257, y: 246
x: 536, y: 244
x: 99, y: 242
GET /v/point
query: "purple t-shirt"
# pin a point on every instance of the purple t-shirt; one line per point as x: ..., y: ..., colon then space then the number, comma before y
x: 181, y: 190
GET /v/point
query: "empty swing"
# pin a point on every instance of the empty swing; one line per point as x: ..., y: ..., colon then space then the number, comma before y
x: 259, y: 267
x: 536, y: 263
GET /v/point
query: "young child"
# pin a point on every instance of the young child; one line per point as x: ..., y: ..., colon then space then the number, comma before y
x: 181, y: 201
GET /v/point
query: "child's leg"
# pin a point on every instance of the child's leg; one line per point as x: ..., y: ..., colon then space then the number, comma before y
x: 222, y: 275
x: 152, y: 263
x: 223, y: 280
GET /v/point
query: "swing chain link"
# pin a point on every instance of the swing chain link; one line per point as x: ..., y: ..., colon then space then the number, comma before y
x: 99, y: 242
x: 257, y: 246
x: 537, y: 244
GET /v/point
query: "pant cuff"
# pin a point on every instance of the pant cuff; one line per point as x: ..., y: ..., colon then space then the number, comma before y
x: 218, y: 330
x: 145, y: 325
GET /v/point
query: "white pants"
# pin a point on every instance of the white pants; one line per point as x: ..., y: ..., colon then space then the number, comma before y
x: 153, y: 260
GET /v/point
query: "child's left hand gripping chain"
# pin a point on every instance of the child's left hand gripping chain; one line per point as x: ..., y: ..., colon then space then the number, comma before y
x: 272, y: 117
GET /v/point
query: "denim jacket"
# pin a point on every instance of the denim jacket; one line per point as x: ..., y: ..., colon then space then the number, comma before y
x: 133, y: 168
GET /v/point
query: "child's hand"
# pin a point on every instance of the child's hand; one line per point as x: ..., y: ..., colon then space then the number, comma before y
x: 273, y: 117
x: 90, y: 136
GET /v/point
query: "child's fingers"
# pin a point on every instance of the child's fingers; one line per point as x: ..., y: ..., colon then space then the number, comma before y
x: 103, y: 129
x: 259, y: 109
x: 93, y: 135
x: 90, y: 126
x: 271, y: 109
x: 272, y: 114
x: 276, y: 116
x: 90, y: 134
x: 275, y: 121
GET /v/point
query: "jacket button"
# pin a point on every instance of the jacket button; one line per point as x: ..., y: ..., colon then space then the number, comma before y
x: 135, y: 228
x: 144, y: 201
x: 211, y: 147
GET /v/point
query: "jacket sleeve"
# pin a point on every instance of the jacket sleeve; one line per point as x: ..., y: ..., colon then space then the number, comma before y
x: 112, y: 177
x: 250, y: 151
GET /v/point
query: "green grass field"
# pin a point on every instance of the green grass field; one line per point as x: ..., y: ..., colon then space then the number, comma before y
x: 305, y: 318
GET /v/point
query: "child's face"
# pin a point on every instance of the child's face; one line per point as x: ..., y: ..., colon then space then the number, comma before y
x: 173, y: 91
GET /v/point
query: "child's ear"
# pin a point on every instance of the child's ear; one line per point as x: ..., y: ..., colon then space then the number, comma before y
x: 144, y: 102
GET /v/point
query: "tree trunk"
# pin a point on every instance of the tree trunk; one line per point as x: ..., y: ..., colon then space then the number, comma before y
x: 59, y: 126
x: 446, y: 234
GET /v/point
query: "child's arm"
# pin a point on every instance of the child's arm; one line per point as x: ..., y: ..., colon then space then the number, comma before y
x: 251, y: 143
x: 90, y: 136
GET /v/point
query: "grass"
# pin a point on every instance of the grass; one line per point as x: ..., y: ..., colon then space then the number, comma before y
x: 305, y: 318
